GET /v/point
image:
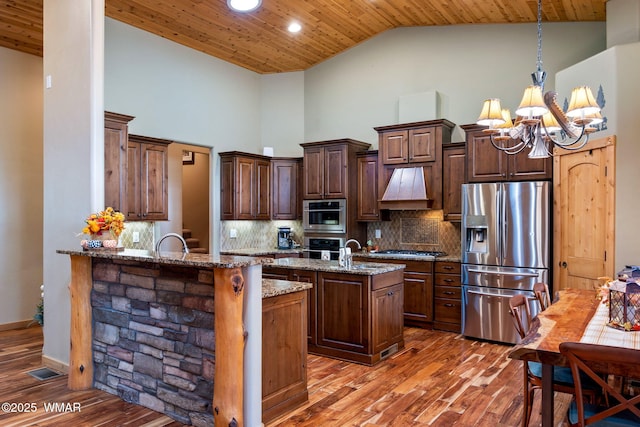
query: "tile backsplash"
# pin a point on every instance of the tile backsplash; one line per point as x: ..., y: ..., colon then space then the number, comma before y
x: 146, y: 233
x: 419, y: 230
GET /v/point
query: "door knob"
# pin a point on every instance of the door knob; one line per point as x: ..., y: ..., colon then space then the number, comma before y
x: 563, y: 264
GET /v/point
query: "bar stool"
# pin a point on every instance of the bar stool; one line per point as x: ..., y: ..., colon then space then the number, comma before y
x: 541, y: 290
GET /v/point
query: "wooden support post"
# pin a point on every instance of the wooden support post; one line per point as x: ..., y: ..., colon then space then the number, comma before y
x: 80, y: 356
x: 228, y: 387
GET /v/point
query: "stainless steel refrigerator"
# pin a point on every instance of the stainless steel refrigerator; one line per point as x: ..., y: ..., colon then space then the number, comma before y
x: 505, y: 251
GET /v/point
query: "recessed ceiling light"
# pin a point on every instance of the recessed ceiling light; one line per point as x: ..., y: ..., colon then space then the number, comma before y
x: 294, y: 27
x: 244, y: 5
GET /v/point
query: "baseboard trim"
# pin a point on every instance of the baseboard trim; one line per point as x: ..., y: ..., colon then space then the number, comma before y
x: 55, y: 365
x: 23, y: 324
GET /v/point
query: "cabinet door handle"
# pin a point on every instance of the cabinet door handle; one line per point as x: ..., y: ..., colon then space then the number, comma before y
x: 448, y: 280
x: 448, y: 293
x: 447, y: 267
x: 448, y: 305
x: 390, y: 293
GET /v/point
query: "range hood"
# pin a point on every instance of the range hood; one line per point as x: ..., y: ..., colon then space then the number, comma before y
x: 407, y: 190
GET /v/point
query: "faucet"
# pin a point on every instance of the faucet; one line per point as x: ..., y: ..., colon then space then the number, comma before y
x: 185, y: 249
x: 348, y: 258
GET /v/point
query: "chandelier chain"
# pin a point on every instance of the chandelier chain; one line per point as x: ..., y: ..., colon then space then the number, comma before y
x: 539, y: 35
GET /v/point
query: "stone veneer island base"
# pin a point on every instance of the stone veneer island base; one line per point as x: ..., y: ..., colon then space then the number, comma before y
x: 166, y: 332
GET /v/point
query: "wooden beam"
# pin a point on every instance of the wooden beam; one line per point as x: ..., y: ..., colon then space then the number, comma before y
x: 228, y: 387
x: 80, y: 356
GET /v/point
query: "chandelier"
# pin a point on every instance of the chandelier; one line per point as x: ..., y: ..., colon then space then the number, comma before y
x: 540, y: 122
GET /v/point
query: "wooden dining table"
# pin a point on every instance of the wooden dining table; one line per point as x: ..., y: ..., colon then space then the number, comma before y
x: 576, y: 316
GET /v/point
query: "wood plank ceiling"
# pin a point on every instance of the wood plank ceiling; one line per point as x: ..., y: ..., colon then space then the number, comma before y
x: 259, y: 41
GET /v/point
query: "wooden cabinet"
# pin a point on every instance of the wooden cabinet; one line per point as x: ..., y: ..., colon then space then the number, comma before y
x: 447, y: 296
x: 453, y: 176
x: 326, y: 166
x: 116, y: 130
x: 269, y: 272
x: 485, y: 163
x: 285, y: 186
x: 418, y: 292
x: 367, y: 166
x: 284, y: 353
x: 416, y: 144
x: 147, y: 192
x: 245, y: 186
x: 359, y: 317
x: 387, y: 304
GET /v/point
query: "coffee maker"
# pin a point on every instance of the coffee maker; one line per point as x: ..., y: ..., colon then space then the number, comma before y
x: 284, y: 238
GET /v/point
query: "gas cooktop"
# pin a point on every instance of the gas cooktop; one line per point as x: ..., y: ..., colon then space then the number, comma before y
x: 408, y: 252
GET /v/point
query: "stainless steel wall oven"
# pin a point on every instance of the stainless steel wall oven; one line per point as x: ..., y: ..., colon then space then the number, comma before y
x: 324, y: 216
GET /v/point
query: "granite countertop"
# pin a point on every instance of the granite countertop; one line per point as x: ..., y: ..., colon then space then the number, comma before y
x: 375, y: 255
x: 170, y: 258
x: 362, y: 268
x: 275, y: 287
x: 259, y: 252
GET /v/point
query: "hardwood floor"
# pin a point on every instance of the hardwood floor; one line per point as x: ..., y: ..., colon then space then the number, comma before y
x: 438, y: 379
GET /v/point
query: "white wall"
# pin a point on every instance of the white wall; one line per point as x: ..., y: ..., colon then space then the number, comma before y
x: 73, y: 150
x: 20, y: 185
x: 351, y: 93
x: 616, y: 70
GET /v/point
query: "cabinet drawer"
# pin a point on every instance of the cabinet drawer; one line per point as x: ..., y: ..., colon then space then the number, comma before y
x: 447, y: 310
x: 447, y: 280
x: 448, y: 267
x: 448, y: 292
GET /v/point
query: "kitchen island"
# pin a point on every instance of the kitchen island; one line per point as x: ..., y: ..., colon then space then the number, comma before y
x: 145, y: 326
x: 354, y: 314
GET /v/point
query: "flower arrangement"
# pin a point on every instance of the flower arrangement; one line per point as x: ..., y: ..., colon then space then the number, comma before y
x: 108, y: 220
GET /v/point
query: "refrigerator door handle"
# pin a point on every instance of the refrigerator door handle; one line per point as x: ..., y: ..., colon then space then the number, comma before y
x: 503, y: 273
x: 486, y: 294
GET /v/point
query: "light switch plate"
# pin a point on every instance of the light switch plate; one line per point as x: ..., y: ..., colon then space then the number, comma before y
x: 233, y: 233
x: 378, y: 234
x: 135, y: 236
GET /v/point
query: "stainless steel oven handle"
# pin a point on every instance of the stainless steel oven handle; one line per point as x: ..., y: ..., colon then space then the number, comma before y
x: 503, y: 273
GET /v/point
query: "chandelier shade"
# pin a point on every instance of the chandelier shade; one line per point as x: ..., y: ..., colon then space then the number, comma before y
x: 491, y: 114
x: 540, y: 123
x: 532, y: 104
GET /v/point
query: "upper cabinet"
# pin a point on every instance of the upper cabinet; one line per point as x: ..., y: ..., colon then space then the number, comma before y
x: 453, y: 176
x: 485, y: 163
x: 116, y: 129
x: 147, y: 179
x: 285, y: 188
x: 245, y: 186
x: 326, y: 165
x: 136, y: 180
x: 417, y: 144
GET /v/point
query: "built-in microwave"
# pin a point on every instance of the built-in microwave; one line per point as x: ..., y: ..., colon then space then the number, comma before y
x: 324, y: 216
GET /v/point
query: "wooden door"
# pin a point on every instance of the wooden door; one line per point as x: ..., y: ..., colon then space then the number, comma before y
x: 134, y: 193
x: 116, y: 130
x: 453, y: 176
x: 342, y: 312
x: 154, y: 186
x: 313, y: 165
x: 584, y: 218
x: 386, y: 312
x: 284, y: 188
x: 393, y: 147
x: 522, y: 168
x: 245, y: 193
x: 262, y: 188
x: 309, y: 277
x: 422, y: 145
x: 227, y: 184
x: 335, y: 172
x: 367, y: 200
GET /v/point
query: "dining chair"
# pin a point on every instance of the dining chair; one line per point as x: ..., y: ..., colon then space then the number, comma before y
x: 592, y: 361
x: 541, y: 290
x: 532, y: 371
